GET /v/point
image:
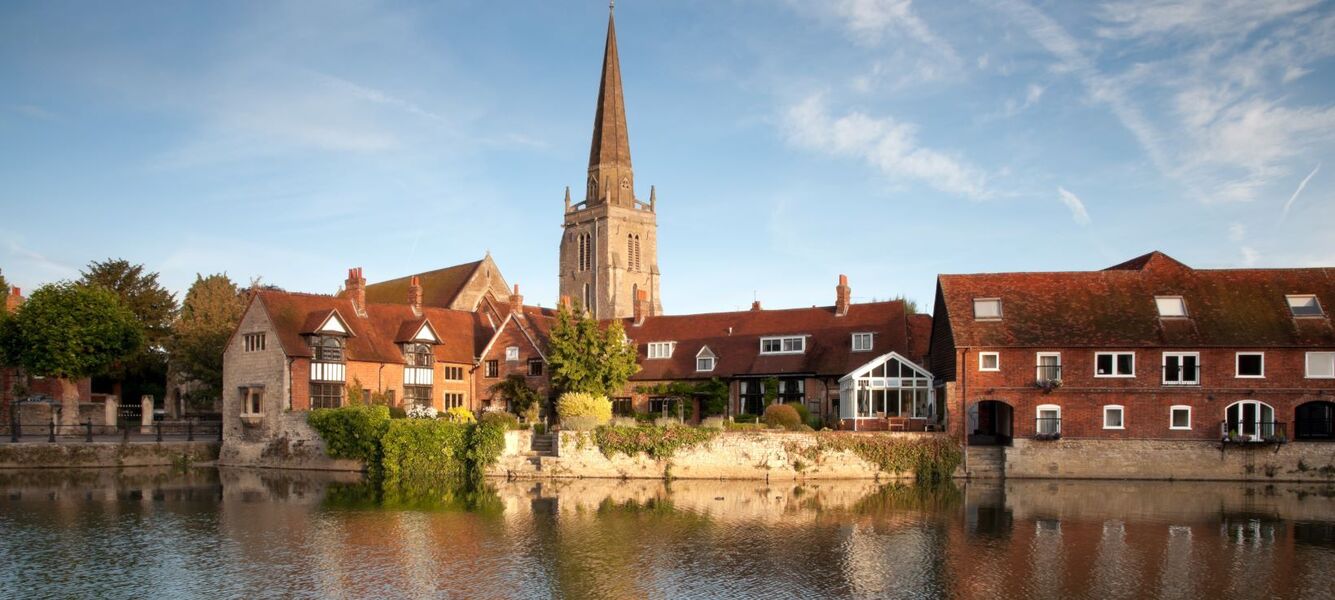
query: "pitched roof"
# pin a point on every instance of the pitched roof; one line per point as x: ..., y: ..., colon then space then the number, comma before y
x: 375, y: 337
x: 1115, y: 307
x: 734, y: 337
x: 611, y: 142
x: 440, y: 288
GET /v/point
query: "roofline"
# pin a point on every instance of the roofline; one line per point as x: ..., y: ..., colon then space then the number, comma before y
x: 885, y: 357
x: 767, y: 310
x: 1102, y: 271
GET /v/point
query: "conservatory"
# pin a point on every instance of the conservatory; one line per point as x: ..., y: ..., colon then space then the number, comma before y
x: 890, y: 392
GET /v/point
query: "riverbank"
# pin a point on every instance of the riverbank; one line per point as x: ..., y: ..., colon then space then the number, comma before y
x: 106, y: 455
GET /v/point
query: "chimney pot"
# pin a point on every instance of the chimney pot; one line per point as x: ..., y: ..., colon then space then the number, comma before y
x: 355, y: 288
x: 516, y: 301
x: 755, y: 306
x: 641, y: 308
x: 842, y: 294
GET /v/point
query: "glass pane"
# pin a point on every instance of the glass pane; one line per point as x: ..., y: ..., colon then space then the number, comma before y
x: 1105, y: 362
x: 1180, y: 418
x: 1125, y: 364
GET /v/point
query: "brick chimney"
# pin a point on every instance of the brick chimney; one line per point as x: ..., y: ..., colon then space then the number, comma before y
x: 564, y: 302
x: 755, y: 306
x: 355, y: 289
x: 414, y: 294
x: 641, y: 307
x: 841, y: 295
x: 14, y: 300
x: 516, y: 301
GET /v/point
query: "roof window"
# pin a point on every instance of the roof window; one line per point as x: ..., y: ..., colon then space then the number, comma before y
x: 988, y: 309
x: 1171, y: 306
x: 1304, y: 305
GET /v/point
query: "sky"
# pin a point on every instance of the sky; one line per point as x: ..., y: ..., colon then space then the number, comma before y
x: 789, y: 140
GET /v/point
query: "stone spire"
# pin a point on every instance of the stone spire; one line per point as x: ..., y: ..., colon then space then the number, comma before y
x: 610, y: 174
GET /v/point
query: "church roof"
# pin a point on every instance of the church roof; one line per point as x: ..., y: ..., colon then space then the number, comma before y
x: 611, y: 142
x: 440, y: 288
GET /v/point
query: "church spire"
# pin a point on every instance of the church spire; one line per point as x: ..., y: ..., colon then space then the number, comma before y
x: 609, y: 156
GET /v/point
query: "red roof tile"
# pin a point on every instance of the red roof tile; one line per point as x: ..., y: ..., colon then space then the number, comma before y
x: 439, y: 288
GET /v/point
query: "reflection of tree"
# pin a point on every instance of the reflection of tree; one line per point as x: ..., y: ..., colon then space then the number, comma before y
x: 448, y: 493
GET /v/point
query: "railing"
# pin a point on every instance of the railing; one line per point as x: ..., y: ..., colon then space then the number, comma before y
x: 1047, y: 374
x: 88, y: 432
x: 1254, y: 431
x: 1181, y: 375
x: 1319, y: 429
x: 1047, y: 428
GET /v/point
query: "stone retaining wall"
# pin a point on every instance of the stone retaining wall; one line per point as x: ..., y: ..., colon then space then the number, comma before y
x: 44, y: 455
x: 292, y: 444
x: 1165, y: 459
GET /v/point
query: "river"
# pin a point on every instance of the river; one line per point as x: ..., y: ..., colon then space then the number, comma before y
x: 233, y: 533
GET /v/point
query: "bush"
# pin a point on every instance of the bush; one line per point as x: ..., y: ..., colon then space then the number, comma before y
x: 782, y: 416
x: 745, y: 419
x: 712, y: 423
x: 500, y: 418
x: 667, y: 422
x: 624, y: 422
x: 352, y: 432
x: 396, y: 412
x: 579, y: 423
x: 815, y: 422
x: 803, y: 413
x: 744, y: 426
x: 459, y: 414
x: 581, y: 404
x: 418, y: 411
x: 420, y: 448
x: 656, y: 442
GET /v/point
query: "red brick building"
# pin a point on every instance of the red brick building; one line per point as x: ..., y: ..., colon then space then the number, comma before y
x: 1147, y: 349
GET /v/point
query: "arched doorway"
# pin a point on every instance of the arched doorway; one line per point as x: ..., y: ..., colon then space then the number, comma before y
x: 1251, y: 419
x: 1314, y: 420
x: 990, y: 423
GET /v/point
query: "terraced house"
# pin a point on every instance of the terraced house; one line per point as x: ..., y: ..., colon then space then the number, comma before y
x: 1150, y: 349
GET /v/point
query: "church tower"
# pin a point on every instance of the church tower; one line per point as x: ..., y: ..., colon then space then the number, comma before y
x: 609, y: 247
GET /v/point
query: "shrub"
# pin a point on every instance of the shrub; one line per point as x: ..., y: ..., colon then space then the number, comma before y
x: 459, y: 414
x: 745, y: 419
x: 815, y: 422
x: 421, y: 448
x: 417, y: 411
x: 624, y: 422
x: 396, y: 412
x: 744, y: 426
x: 667, y: 422
x: 712, y: 423
x: 500, y: 418
x: 782, y: 416
x: 656, y: 442
x: 581, y: 404
x: 486, y: 441
x: 803, y: 413
x: 352, y: 432
x: 582, y: 423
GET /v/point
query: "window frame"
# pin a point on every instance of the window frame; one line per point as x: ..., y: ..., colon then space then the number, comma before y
x: 782, y: 339
x: 997, y: 317
x: 713, y: 361
x: 869, y: 336
x: 1038, y: 365
x: 535, y: 362
x: 1181, y: 302
x: 492, y: 369
x: 1307, y: 365
x: 1038, y: 414
x: 512, y: 354
x: 659, y: 350
x: 1237, y: 365
x: 1122, y: 419
x: 1321, y: 310
x: 996, y: 367
x: 1163, y: 363
x: 253, y: 341
x: 1114, y: 374
x: 1173, y: 409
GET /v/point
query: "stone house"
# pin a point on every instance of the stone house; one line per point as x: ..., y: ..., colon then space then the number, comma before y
x: 1149, y: 349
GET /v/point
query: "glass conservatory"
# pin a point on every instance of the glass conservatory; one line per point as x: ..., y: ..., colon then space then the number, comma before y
x: 890, y: 392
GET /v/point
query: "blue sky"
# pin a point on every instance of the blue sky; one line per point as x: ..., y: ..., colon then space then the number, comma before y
x: 790, y: 140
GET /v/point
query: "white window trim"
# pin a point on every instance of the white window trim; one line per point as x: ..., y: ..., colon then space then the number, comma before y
x: 1185, y: 313
x: 1163, y: 368
x: 1237, y: 365
x: 712, y: 363
x: 1171, y: 410
x: 1108, y: 407
x: 781, y: 338
x: 871, y: 341
x: 671, y: 348
x: 511, y: 353
x: 1038, y: 362
x: 1038, y: 414
x: 996, y: 355
x: 1114, y: 364
x: 1288, y: 302
x: 1307, y: 366
x: 1000, y: 309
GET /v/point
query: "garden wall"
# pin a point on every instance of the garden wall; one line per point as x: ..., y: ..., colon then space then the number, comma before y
x: 45, y: 455
x: 291, y: 443
x: 1165, y: 459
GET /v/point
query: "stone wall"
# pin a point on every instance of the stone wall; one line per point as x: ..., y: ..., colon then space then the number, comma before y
x: 1161, y: 459
x: 43, y: 455
x: 291, y: 443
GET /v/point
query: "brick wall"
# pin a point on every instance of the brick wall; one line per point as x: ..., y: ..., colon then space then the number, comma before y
x: 511, y: 336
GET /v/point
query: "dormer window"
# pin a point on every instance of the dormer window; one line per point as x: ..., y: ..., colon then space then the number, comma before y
x: 418, y: 355
x: 705, y: 360
x: 1305, y: 305
x: 327, y: 348
x: 795, y: 344
x: 862, y: 342
x: 660, y: 349
x: 987, y: 309
x: 1171, y: 307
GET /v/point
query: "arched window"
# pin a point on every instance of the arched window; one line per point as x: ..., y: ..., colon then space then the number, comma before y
x: 630, y: 252
x: 585, y: 253
x: 588, y: 297
x: 1250, y: 420
x: 637, y: 254
x: 418, y: 355
x: 593, y: 188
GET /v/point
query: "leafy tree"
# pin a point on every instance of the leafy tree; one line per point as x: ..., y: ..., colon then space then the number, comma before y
x: 69, y: 331
x: 210, y: 313
x: 4, y: 289
x: 514, y: 388
x: 144, y: 372
x: 588, y: 358
x: 910, y: 305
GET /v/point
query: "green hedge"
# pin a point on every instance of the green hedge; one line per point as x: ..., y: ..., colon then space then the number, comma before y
x: 401, y: 449
x: 352, y: 432
x: 423, y: 448
x: 656, y: 442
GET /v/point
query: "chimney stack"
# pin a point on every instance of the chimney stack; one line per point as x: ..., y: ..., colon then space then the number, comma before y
x: 641, y: 306
x: 14, y: 300
x: 564, y: 303
x: 516, y: 301
x: 755, y: 306
x: 355, y: 289
x: 414, y: 294
x: 841, y: 296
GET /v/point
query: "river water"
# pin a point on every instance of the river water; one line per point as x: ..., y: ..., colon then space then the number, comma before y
x: 251, y: 534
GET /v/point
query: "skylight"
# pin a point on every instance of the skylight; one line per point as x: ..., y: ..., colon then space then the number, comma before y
x: 1171, y: 306
x: 1304, y: 305
x: 987, y: 308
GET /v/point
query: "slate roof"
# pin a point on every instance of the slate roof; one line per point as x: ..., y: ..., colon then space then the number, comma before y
x: 1115, y: 307
x: 439, y: 288
x: 734, y: 337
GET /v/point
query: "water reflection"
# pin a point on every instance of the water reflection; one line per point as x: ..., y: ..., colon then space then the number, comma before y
x: 241, y: 533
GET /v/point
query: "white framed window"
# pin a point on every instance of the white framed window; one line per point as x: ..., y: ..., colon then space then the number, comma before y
x: 1114, y: 416
x: 660, y: 349
x: 1182, y: 368
x: 1049, y: 419
x: 1179, y: 417
x: 862, y: 342
x: 1171, y: 306
x: 1049, y: 366
x: 1304, y: 305
x: 1114, y: 364
x: 512, y: 353
x: 794, y: 344
x: 987, y: 309
x: 1321, y: 365
x: 989, y: 361
x: 254, y: 342
x: 705, y: 359
x: 1250, y: 365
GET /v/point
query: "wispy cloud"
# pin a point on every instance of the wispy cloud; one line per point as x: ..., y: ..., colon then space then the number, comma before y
x: 1203, y: 18
x: 888, y: 145
x: 1301, y: 186
x: 1075, y: 205
x: 50, y: 267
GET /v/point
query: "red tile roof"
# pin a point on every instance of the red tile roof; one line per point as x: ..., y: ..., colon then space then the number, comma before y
x: 439, y: 288
x: 1115, y: 307
x: 734, y: 337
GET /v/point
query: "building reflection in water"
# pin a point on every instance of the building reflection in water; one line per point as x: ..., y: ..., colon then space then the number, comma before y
x: 237, y: 533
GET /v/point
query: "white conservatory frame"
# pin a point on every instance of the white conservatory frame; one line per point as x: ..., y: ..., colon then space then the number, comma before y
x: 862, y: 378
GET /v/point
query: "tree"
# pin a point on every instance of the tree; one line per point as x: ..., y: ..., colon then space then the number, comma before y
x: 210, y: 313
x: 144, y: 372
x: 69, y: 331
x: 4, y: 289
x: 514, y: 388
x: 910, y: 305
x: 587, y: 358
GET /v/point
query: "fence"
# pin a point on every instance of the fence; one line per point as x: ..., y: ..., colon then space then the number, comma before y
x: 88, y: 432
